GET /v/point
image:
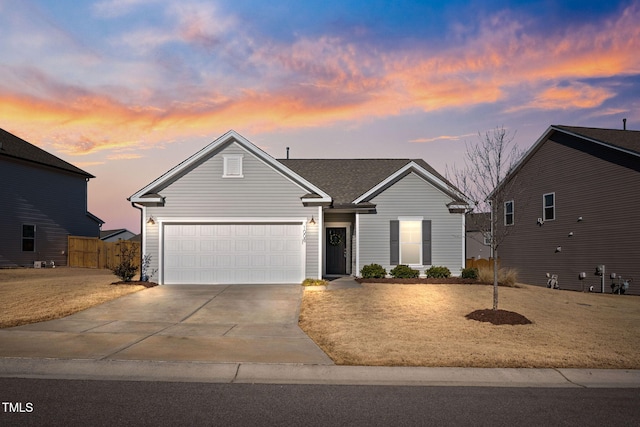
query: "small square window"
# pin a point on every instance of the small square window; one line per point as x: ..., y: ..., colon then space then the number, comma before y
x: 232, y: 166
x: 28, y: 238
x: 508, y: 213
x: 549, y: 206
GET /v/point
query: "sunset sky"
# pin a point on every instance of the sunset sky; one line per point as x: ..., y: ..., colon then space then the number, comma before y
x: 126, y: 89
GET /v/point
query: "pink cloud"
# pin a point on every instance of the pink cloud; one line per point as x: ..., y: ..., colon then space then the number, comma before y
x: 315, y: 82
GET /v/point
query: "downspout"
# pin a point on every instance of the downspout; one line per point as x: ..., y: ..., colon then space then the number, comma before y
x: 355, y: 274
x: 320, y: 245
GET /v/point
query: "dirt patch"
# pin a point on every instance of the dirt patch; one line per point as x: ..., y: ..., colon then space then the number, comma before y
x: 498, y: 317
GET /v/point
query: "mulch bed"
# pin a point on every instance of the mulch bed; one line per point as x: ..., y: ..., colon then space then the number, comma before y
x: 137, y: 282
x: 498, y: 317
x: 428, y: 280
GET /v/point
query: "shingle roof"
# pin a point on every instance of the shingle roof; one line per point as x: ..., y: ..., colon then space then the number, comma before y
x: 109, y: 233
x: 347, y: 179
x: 17, y: 148
x: 625, y: 139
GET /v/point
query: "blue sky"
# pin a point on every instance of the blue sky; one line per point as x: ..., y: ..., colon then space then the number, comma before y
x: 125, y: 89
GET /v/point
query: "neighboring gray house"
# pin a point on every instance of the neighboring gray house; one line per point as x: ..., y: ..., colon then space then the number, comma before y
x: 577, y: 207
x: 115, y: 235
x: 477, y: 241
x: 44, y: 200
x: 233, y: 214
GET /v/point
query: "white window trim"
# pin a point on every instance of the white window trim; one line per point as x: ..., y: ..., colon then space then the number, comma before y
x: 232, y: 157
x: 402, y: 219
x: 544, y: 207
x: 513, y: 213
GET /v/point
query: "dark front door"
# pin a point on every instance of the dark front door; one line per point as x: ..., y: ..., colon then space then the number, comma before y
x: 336, y: 244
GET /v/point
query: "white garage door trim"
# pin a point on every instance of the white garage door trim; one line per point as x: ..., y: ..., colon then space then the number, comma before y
x: 233, y: 275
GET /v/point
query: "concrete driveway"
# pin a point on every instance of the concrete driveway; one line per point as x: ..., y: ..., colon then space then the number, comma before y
x: 239, y: 323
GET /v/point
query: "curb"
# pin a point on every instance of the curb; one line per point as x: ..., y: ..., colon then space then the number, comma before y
x: 256, y: 373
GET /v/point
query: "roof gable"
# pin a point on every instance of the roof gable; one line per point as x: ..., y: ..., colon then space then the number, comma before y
x: 623, y: 141
x: 353, y: 181
x: 17, y: 148
x: 149, y: 194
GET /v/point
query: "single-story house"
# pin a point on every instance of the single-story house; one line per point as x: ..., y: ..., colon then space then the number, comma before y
x: 232, y: 214
x: 575, y: 207
x: 115, y: 235
x: 44, y: 200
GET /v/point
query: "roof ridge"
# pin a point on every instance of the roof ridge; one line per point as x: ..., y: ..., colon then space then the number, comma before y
x: 346, y: 158
x: 15, y: 147
x: 595, y: 128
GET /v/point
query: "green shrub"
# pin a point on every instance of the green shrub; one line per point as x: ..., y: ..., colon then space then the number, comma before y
x: 438, y: 272
x: 404, y: 272
x: 469, y: 273
x: 373, y: 271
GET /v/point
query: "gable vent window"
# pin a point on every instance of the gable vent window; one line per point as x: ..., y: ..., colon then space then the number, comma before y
x: 549, y: 210
x: 28, y: 238
x: 232, y: 166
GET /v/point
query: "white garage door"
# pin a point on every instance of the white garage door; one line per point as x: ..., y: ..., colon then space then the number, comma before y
x: 233, y: 253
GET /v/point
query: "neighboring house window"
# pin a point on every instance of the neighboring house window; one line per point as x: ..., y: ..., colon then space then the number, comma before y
x: 487, y: 239
x: 410, y: 242
x: 28, y: 238
x: 549, y: 210
x: 232, y: 166
x: 508, y: 212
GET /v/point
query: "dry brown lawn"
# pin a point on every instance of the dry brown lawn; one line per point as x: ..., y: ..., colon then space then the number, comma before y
x: 33, y: 295
x: 425, y: 325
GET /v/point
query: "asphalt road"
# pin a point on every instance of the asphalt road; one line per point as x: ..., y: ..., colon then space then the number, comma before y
x: 113, y: 403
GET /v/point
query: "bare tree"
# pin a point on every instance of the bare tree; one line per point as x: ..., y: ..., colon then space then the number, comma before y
x: 486, y: 164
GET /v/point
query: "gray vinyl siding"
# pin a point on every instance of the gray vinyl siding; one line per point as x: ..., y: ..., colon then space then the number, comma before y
x: 475, y: 247
x: 412, y: 196
x: 52, y: 200
x: 204, y: 194
x: 601, y: 186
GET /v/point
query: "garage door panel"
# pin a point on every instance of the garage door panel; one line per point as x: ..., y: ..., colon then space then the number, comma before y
x: 233, y: 253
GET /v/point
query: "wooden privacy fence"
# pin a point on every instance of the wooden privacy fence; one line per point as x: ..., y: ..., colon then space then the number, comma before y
x: 480, y: 263
x: 92, y: 252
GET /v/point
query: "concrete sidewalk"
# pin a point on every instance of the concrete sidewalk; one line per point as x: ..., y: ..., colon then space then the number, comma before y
x: 258, y: 373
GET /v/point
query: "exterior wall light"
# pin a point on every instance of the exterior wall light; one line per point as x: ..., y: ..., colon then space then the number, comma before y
x: 312, y: 221
x: 151, y: 221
